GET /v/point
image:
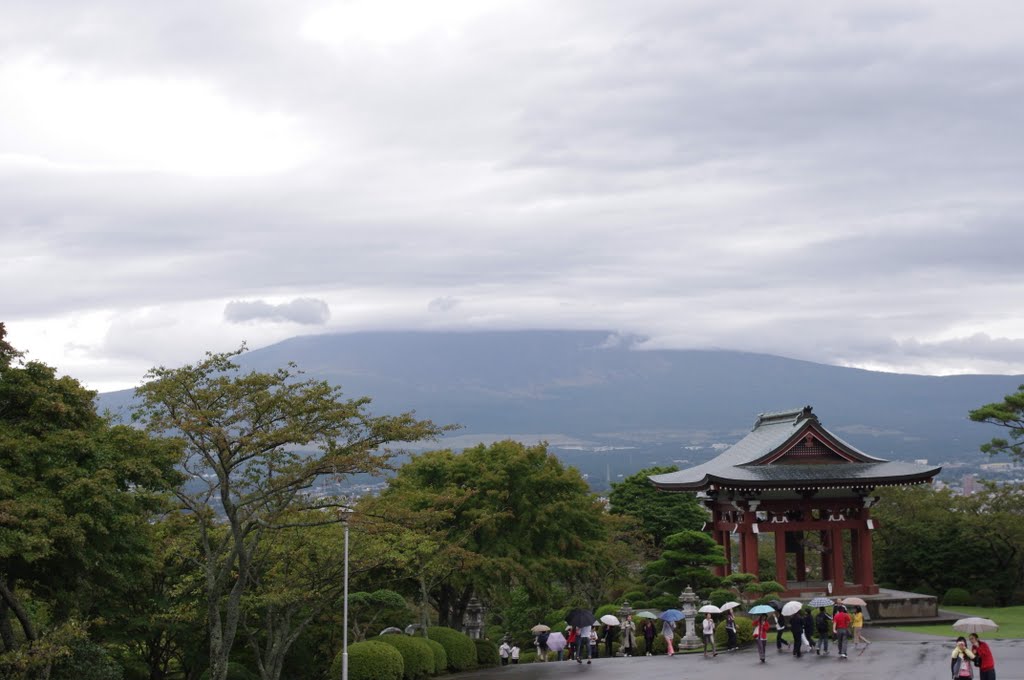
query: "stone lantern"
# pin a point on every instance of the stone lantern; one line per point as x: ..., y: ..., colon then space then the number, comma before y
x: 473, y: 620
x: 688, y: 600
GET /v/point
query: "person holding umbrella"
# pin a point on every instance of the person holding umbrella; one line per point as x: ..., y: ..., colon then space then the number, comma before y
x: 709, y: 634
x: 984, y: 654
x: 542, y: 644
x: 761, y: 627
x: 668, y: 631
x: 780, y: 628
x: 796, y: 624
x: 730, y: 630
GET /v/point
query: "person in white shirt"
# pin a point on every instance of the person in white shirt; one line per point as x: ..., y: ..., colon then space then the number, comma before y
x: 709, y: 635
x: 583, y: 642
x: 504, y: 651
x: 514, y: 653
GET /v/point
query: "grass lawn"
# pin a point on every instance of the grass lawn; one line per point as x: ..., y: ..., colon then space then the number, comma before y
x: 1010, y: 620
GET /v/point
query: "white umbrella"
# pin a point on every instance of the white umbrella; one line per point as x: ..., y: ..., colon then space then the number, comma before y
x: 709, y: 608
x: 975, y: 624
x: 729, y: 605
x: 853, y: 602
x: 791, y: 608
x: 540, y: 628
x: 609, y: 620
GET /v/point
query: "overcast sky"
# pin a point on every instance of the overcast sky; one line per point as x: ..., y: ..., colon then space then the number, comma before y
x: 841, y: 182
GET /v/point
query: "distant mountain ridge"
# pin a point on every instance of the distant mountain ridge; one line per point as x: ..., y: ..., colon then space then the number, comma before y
x: 596, y: 387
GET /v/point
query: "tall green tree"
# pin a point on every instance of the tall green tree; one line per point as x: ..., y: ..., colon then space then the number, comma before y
x: 76, y: 496
x: 514, y: 512
x: 1008, y: 413
x: 686, y: 561
x: 658, y: 514
x: 253, y: 445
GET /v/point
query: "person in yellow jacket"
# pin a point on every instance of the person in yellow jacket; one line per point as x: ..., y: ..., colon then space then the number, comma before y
x: 858, y: 627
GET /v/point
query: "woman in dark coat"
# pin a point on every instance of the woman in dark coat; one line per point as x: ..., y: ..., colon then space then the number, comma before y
x: 796, y: 624
x: 649, y: 633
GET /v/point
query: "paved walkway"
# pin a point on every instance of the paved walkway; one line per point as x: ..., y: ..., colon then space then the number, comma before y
x: 892, y: 654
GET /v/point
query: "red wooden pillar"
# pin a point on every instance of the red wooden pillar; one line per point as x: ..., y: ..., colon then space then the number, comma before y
x: 801, y: 564
x: 724, y: 539
x: 780, y: 557
x: 855, y: 556
x: 866, y: 554
x: 748, y: 543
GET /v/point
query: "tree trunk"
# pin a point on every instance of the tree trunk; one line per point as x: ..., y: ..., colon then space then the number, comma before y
x: 6, y: 631
x: 7, y: 594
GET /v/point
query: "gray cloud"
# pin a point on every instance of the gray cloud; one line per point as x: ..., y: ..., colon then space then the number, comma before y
x: 307, y: 311
x: 691, y: 172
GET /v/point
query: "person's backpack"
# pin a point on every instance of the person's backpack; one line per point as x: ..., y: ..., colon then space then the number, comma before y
x: 542, y: 639
x: 821, y: 622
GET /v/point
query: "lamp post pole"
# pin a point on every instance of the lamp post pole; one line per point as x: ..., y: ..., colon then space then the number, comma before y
x: 344, y: 616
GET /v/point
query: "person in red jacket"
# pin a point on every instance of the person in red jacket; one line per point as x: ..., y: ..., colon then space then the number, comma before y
x: 761, y: 628
x: 841, y: 627
x: 984, y: 652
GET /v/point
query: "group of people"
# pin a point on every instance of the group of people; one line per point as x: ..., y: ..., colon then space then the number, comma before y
x: 508, y: 652
x: 965, y: 659
x: 585, y: 641
x: 813, y: 632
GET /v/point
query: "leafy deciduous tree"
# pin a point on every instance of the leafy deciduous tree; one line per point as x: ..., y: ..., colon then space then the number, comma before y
x: 253, y: 445
x: 1008, y: 413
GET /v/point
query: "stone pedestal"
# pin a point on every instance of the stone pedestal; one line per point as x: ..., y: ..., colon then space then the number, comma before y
x: 473, y: 622
x: 688, y: 600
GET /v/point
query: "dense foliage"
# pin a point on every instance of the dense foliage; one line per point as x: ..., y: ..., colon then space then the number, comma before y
x: 657, y: 515
x: 458, y: 646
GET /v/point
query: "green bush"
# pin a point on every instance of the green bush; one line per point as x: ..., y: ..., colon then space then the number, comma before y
x: 487, y: 653
x: 370, y: 660
x: 633, y: 596
x: 720, y: 596
x: 417, y: 657
x: 985, y: 598
x: 237, y: 671
x: 956, y: 597
x: 612, y: 609
x: 440, y: 656
x: 459, y: 647
x: 744, y: 632
x: 87, y: 661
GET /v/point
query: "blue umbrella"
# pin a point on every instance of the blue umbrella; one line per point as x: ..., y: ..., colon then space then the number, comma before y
x: 761, y: 609
x: 672, y: 615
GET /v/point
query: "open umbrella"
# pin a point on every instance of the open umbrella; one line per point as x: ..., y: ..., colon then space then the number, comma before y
x: 777, y: 604
x: 390, y: 631
x: 540, y: 628
x: 580, y: 618
x: 792, y: 607
x: 556, y: 642
x: 646, y: 615
x: 761, y: 609
x: 729, y: 605
x: 610, y: 620
x: 709, y: 608
x: 672, y: 615
x: 975, y: 624
x: 853, y: 602
x: 820, y: 602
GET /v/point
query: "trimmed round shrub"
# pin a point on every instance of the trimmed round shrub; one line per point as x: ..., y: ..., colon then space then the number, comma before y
x: 528, y: 657
x: 744, y: 632
x: 440, y: 656
x: 985, y: 598
x: 720, y: 596
x: 612, y: 609
x: 417, y: 657
x: 487, y: 653
x: 459, y: 647
x: 237, y: 671
x: 370, y: 660
x: 956, y: 597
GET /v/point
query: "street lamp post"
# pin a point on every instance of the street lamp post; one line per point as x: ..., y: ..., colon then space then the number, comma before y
x: 344, y: 616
